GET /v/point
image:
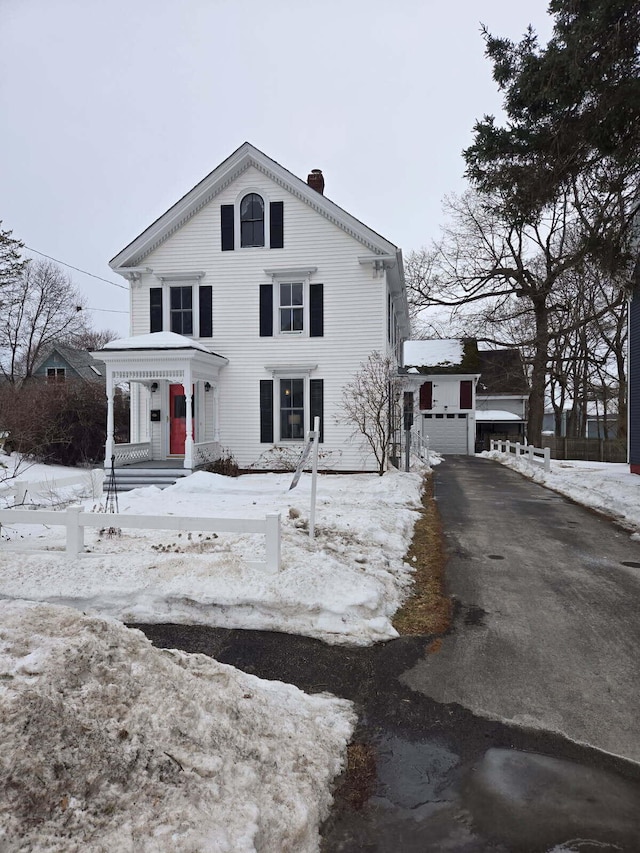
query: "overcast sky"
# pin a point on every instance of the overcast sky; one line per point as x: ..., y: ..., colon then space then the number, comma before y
x: 110, y: 110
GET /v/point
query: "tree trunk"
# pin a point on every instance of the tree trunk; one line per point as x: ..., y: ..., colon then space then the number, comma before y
x: 539, y: 371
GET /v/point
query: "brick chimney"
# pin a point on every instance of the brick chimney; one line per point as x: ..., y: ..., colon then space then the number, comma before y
x: 316, y: 181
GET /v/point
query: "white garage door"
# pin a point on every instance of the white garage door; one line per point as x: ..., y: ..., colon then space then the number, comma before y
x: 447, y: 434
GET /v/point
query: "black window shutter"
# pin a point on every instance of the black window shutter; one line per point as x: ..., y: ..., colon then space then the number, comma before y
x: 266, y: 411
x: 155, y: 309
x: 205, y: 299
x: 316, y: 310
x: 266, y: 310
x: 316, y: 406
x: 276, y: 224
x: 226, y: 216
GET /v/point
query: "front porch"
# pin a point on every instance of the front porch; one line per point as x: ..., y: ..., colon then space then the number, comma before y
x: 173, y: 383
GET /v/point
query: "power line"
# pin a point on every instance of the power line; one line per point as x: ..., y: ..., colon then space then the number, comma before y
x: 77, y: 269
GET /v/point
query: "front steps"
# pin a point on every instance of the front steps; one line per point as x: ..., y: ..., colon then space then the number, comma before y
x: 130, y: 477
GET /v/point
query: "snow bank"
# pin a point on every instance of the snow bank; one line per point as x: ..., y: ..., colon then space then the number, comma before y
x: 110, y: 744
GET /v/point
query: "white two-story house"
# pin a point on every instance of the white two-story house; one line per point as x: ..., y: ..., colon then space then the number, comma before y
x: 254, y: 300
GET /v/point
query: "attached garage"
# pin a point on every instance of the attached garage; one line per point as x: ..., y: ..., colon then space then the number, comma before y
x: 447, y: 433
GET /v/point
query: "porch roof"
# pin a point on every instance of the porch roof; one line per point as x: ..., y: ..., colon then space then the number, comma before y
x: 159, y: 355
x: 156, y: 341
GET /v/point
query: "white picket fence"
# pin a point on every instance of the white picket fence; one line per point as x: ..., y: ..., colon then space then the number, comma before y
x: 533, y: 455
x: 89, y: 480
x: 75, y: 520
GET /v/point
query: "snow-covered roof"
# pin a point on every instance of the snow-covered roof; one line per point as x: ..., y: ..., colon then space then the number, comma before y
x: 156, y: 340
x: 496, y: 415
x: 433, y: 353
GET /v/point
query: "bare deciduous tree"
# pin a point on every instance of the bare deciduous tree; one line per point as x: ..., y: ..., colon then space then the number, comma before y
x: 94, y: 339
x: 41, y: 307
x: 501, y: 276
x: 369, y: 404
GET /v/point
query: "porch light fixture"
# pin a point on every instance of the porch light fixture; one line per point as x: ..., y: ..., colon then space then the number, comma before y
x: 154, y: 387
x: 207, y: 386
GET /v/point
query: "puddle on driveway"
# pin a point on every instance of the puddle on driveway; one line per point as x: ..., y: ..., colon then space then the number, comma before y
x: 446, y: 780
x: 509, y: 800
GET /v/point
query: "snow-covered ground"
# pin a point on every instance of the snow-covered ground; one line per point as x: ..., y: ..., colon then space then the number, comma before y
x: 603, y: 486
x: 342, y: 587
x: 109, y: 744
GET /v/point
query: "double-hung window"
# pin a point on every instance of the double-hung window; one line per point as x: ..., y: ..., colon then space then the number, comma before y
x: 182, y: 305
x: 291, y: 311
x: 291, y: 409
x: 289, y: 404
x: 181, y: 310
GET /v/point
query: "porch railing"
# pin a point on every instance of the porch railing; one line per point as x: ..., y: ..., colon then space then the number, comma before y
x: 420, y: 445
x: 128, y: 454
x: 206, y: 451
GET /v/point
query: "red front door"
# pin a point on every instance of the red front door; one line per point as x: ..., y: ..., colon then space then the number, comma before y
x: 178, y: 419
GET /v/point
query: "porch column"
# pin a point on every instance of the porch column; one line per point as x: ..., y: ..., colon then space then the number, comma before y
x: 216, y: 416
x: 188, y: 396
x: 108, y: 453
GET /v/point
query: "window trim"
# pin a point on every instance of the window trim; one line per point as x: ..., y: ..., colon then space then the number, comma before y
x: 194, y: 280
x: 262, y: 219
x: 294, y: 276
x: 298, y: 371
x: 237, y: 224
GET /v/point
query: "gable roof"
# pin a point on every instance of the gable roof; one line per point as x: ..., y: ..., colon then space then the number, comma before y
x: 243, y: 158
x: 502, y: 372
x: 79, y: 360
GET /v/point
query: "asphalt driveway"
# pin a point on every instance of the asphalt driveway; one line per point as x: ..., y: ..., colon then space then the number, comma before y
x: 547, y: 633
x: 501, y: 739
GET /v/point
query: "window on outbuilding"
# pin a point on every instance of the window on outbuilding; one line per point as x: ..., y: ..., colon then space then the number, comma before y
x: 252, y: 221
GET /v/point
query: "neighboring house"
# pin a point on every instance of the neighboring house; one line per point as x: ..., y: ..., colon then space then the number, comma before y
x: 443, y: 375
x: 502, y: 395
x: 254, y: 300
x: 61, y: 363
x: 597, y: 424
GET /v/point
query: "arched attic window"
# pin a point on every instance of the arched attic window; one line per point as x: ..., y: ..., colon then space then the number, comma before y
x: 252, y: 220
